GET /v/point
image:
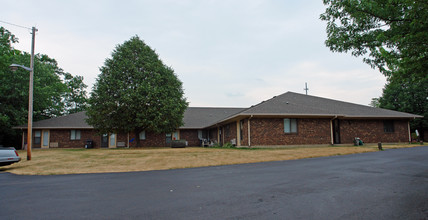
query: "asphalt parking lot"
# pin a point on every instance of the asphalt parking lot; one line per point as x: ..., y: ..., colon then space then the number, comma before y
x: 391, y: 184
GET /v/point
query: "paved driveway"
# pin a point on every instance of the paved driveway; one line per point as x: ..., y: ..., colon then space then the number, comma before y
x: 392, y: 184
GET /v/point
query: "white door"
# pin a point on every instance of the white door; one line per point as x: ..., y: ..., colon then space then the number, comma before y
x: 45, y: 139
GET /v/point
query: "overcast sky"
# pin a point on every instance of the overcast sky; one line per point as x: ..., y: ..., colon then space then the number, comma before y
x: 233, y: 53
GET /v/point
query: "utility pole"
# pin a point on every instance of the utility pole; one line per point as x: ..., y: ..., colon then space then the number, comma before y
x: 14, y: 67
x: 306, y: 88
x: 30, y: 97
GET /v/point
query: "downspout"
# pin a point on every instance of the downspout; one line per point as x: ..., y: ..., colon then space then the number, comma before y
x: 408, y: 128
x: 331, y: 130
x: 249, y: 131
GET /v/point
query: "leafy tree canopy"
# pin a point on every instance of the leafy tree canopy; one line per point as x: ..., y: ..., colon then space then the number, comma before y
x: 408, y: 95
x: 136, y: 92
x: 55, y: 92
x: 391, y: 35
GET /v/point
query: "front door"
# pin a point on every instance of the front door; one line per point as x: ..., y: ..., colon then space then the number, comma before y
x: 104, y: 141
x: 168, y: 139
x: 336, y: 131
x: 45, y: 139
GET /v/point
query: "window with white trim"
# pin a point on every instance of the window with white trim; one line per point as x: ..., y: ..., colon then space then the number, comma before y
x: 290, y: 125
x: 142, y: 135
x: 75, y: 135
x: 37, y: 137
x: 388, y: 126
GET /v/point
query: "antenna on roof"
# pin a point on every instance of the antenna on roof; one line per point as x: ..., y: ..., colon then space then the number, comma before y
x: 306, y: 88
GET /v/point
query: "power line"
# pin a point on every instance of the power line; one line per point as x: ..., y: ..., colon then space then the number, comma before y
x: 16, y: 25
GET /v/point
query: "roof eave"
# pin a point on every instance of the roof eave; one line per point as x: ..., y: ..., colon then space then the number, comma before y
x: 292, y: 115
x: 270, y: 115
x: 46, y: 128
x: 191, y: 128
x: 380, y: 117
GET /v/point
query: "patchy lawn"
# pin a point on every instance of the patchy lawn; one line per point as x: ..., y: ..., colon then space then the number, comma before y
x: 73, y: 161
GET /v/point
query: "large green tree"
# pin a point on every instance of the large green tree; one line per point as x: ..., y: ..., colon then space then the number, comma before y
x: 136, y: 92
x: 391, y: 35
x: 75, y: 99
x: 408, y: 95
x: 54, y: 91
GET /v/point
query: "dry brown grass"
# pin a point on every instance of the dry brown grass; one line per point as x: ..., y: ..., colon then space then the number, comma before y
x: 73, y: 161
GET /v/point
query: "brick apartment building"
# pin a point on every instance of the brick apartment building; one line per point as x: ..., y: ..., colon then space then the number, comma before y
x: 287, y: 119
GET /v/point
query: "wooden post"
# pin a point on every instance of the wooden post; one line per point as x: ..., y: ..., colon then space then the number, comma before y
x: 30, y: 98
x: 379, y: 145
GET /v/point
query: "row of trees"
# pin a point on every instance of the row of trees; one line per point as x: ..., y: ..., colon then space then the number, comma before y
x: 391, y: 36
x: 55, y: 92
x: 135, y: 91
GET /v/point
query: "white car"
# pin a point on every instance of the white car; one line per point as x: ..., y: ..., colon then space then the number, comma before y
x: 8, y: 155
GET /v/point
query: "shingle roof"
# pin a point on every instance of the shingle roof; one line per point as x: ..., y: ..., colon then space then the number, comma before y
x: 71, y: 121
x: 286, y: 105
x: 194, y: 118
x: 294, y: 104
x: 198, y: 117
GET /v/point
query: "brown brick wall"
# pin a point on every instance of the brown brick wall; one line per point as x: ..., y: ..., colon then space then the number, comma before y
x: 372, y: 131
x: 229, y: 132
x: 213, y: 134
x: 152, y: 140
x: 317, y: 131
x: 264, y: 131
x: 191, y: 136
x: 62, y: 137
x: 271, y: 132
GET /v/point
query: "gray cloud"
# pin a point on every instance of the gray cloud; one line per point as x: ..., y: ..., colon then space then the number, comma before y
x: 227, y: 53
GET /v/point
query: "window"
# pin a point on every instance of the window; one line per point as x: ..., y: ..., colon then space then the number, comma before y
x: 200, y: 136
x: 37, y: 137
x: 143, y: 135
x: 290, y: 125
x: 75, y: 135
x: 168, y: 138
x: 388, y: 126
